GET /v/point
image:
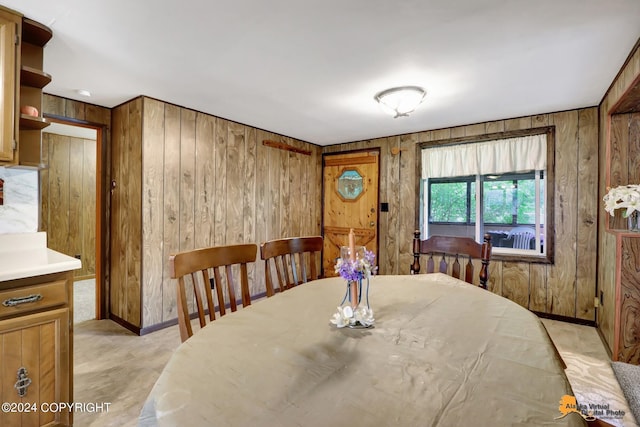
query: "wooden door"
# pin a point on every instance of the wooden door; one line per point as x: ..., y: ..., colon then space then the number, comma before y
x: 351, y: 182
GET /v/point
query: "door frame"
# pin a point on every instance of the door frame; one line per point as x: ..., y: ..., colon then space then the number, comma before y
x: 376, y: 149
x: 102, y: 248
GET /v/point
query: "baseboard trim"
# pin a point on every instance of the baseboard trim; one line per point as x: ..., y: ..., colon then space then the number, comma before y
x: 566, y: 319
x: 124, y: 323
x: 174, y: 321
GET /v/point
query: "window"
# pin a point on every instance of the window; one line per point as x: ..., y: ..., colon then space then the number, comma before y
x: 511, y: 206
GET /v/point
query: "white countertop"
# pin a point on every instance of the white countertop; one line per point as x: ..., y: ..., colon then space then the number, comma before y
x: 26, y: 254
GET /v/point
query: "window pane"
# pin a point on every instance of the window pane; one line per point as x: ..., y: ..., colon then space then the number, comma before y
x: 499, y: 201
x: 527, y: 201
x: 472, y: 210
x: 448, y: 202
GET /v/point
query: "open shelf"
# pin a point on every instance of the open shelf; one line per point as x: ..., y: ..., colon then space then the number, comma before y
x: 35, y: 33
x: 33, y: 123
x: 33, y: 77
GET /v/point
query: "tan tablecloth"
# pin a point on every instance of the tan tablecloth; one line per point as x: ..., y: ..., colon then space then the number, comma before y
x: 442, y: 353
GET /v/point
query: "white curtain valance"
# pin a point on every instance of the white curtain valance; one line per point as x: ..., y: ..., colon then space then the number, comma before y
x: 481, y: 158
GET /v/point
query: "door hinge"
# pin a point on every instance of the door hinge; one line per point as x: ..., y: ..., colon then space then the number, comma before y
x: 14, y: 145
x: 596, y: 302
x: 17, y: 40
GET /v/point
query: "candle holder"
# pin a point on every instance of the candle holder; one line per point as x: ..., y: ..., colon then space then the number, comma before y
x: 355, y: 269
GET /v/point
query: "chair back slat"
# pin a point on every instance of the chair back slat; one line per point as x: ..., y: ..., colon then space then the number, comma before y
x: 456, y: 247
x: 289, y: 258
x: 196, y: 265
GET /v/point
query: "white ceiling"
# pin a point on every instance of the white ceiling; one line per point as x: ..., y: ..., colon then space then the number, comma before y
x: 310, y: 69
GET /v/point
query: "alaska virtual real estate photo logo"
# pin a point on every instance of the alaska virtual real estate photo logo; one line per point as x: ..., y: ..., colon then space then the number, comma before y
x: 589, y: 411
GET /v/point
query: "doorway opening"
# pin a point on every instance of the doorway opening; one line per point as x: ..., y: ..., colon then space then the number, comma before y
x: 71, y: 206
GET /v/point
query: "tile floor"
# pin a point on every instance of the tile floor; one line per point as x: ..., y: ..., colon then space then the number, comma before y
x: 115, y: 366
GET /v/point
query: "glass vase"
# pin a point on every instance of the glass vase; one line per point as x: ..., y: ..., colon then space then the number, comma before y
x: 632, y: 221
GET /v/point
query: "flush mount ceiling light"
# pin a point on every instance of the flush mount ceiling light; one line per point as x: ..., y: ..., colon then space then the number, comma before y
x: 400, y: 101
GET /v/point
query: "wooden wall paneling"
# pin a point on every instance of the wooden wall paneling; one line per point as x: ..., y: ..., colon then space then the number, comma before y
x: 118, y: 199
x: 256, y: 270
x: 153, y: 259
x: 263, y: 199
x: 234, y: 225
x: 53, y: 105
x: 458, y: 131
x: 618, y: 150
x: 384, y: 197
x: 187, y: 178
x: 317, y: 165
x: 58, y: 237
x: 607, y: 287
x: 634, y: 148
x: 307, y: 180
x: 205, y: 177
x: 408, y: 201
x: 517, y: 123
x: 89, y: 208
x: 220, y: 156
x: 538, y: 287
x: 515, y: 282
x: 296, y: 193
x: 618, y: 163
x: 75, y: 109
x: 439, y: 134
x: 393, y: 195
x: 541, y: 120
x: 76, y: 157
x: 133, y: 162
x: 561, y: 280
x: 272, y: 203
x: 44, y: 186
x: 171, y: 206
x: 285, y: 196
x: 494, y: 127
x: 586, y: 247
x: 494, y: 284
x: 630, y: 301
x: 97, y: 114
x: 476, y: 129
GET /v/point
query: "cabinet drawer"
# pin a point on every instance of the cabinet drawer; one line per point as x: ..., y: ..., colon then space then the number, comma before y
x: 32, y: 298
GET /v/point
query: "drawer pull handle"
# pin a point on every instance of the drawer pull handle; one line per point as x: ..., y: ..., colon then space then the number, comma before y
x: 23, y: 382
x: 12, y: 302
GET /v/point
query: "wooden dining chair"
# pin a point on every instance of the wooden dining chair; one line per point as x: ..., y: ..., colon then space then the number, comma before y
x: 454, y: 248
x: 288, y: 259
x: 225, y: 262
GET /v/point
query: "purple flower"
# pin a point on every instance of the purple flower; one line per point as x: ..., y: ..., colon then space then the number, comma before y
x: 358, y: 269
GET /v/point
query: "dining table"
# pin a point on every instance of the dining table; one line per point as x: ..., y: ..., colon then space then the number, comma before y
x: 441, y: 352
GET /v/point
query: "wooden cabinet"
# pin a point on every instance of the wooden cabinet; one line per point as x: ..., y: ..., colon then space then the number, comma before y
x: 619, y: 285
x: 36, y: 350
x: 9, y: 58
x: 22, y: 42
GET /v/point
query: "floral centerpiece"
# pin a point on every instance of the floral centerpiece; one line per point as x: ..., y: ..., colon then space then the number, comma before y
x: 355, y: 265
x: 627, y: 197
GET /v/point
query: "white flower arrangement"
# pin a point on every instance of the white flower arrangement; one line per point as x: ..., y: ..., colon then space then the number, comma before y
x: 346, y: 316
x: 623, y: 196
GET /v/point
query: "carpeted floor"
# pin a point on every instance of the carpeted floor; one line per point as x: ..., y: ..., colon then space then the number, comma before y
x: 629, y: 378
x: 84, y: 300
